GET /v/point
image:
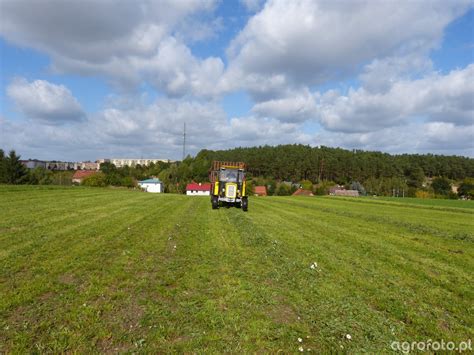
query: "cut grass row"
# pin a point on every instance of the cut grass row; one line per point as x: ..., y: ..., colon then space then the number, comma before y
x: 117, y: 270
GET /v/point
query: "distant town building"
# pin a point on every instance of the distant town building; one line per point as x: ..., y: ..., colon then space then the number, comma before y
x: 260, y: 191
x: 59, y: 165
x: 34, y: 163
x: 119, y: 163
x: 151, y: 185
x: 303, y: 192
x: 80, y: 175
x: 198, y: 189
x: 86, y: 166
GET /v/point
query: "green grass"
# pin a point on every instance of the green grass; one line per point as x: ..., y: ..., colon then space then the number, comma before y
x: 428, y: 202
x: 122, y: 271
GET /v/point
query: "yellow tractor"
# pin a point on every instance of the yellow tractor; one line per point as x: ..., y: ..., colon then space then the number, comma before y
x: 228, y: 184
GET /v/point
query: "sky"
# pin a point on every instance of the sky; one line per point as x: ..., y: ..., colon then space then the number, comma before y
x: 91, y: 79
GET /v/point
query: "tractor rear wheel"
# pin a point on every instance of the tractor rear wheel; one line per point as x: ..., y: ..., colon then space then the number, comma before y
x: 215, y: 202
x: 245, y: 204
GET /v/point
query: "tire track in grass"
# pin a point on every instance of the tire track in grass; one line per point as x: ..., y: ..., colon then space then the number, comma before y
x: 394, y: 245
x: 452, y: 250
x: 384, y: 215
x: 47, y: 229
x: 129, y: 288
x: 295, y: 218
x: 91, y: 260
x: 92, y: 235
x: 403, y: 203
x: 212, y: 289
x: 301, y: 289
x: 53, y: 216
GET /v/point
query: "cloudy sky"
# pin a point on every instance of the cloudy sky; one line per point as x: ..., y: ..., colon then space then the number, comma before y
x: 117, y: 78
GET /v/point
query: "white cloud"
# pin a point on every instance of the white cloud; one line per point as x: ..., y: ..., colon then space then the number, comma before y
x: 178, y: 72
x: 138, y: 129
x: 443, y: 98
x: 121, y: 40
x: 42, y: 100
x: 311, y: 42
x: 381, y: 74
x: 279, y: 57
x: 252, y: 5
x: 299, y: 107
x: 256, y: 131
x: 431, y: 137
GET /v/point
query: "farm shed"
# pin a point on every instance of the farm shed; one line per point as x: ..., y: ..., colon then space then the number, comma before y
x: 80, y: 175
x: 198, y: 189
x: 260, y: 191
x: 350, y: 193
x: 302, y: 192
x: 151, y: 185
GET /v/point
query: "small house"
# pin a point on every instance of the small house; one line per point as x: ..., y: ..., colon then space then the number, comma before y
x: 350, y: 193
x: 80, y: 175
x: 198, y: 189
x: 151, y: 185
x: 260, y: 191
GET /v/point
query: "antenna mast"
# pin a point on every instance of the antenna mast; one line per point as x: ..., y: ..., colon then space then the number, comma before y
x: 184, y: 141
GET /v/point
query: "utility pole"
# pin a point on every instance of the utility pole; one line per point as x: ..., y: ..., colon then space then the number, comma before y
x: 184, y: 141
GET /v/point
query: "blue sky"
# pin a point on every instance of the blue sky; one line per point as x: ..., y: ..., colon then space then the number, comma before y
x: 81, y: 81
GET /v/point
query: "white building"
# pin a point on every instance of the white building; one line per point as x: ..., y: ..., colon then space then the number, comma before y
x: 119, y: 163
x: 151, y: 185
x: 31, y: 164
x: 198, y: 189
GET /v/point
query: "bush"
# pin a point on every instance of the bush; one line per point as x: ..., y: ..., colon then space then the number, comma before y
x: 283, y: 190
x: 441, y: 186
x: 40, y: 176
x: 96, y: 180
x: 323, y: 188
x: 128, y: 181
x: 423, y: 194
x: 466, y: 189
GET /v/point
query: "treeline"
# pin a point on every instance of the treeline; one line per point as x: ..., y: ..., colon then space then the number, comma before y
x: 284, y: 168
x: 302, y: 162
x: 369, y: 172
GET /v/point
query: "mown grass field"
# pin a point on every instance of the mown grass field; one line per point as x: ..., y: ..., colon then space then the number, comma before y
x: 109, y: 270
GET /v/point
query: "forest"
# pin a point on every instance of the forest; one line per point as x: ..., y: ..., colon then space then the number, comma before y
x: 284, y: 168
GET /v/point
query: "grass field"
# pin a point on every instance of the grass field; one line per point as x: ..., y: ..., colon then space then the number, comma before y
x: 121, y: 271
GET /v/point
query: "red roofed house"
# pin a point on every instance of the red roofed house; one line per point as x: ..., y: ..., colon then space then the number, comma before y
x: 198, y: 189
x: 260, y: 191
x: 302, y: 192
x: 80, y: 175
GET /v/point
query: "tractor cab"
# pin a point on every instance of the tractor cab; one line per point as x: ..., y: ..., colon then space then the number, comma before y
x: 228, y: 184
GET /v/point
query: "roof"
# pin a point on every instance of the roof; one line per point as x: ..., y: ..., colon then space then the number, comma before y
x: 81, y: 174
x: 354, y: 193
x: 303, y: 192
x: 198, y: 186
x: 260, y: 190
x: 150, y: 181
